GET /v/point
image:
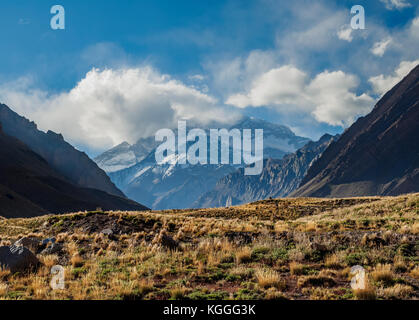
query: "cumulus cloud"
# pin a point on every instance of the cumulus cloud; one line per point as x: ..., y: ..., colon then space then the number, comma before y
x: 110, y: 106
x: 333, y: 100
x: 230, y: 76
x: 345, y: 33
x: 396, y: 4
x: 380, y: 47
x: 328, y: 97
x: 277, y: 86
x: 382, y: 83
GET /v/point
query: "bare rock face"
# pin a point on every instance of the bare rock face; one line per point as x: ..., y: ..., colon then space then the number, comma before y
x: 377, y: 155
x: 30, y: 243
x: 17, y: 258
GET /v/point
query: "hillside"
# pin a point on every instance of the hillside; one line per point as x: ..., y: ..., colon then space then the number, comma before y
x: 76, y: 166
x: 271, y: 249
x: 30, y: 187
x: 377, y: 155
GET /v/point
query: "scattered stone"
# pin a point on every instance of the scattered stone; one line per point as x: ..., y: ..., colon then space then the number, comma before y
x: 107, y: 232
x: 48, y: 240
x: 54, y: 248
x: 30, y: 243
x: 17, y: 258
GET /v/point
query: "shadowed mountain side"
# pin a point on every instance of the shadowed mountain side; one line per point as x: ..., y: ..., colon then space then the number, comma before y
x: 377, y: 155
x: 76, y: 166
x: 30, y: 187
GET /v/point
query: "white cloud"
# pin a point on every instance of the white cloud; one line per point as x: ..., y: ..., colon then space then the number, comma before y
x: 328, y: 97
x: 276, y: 86
x: 197, y: 77
x: 109, y: 106
x: 233, y: 75
x: 380, y: 47
x: 414, y: 28
x: 381, y: 83
x: 345, y: 33
x: 396, y: 4
x: 334, y: 102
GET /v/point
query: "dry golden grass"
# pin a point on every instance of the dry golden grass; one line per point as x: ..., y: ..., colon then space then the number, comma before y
x: 269, y: 278
x: 76, y: 261
x: 253, y: 251
x: 334, y: 261
x: 369, y: 293
x: 243, y: 255
x: 297, y: 268
x: 415, y: 272
x: 383, y: 273
x: 315, y: 281
x: 398, y: 291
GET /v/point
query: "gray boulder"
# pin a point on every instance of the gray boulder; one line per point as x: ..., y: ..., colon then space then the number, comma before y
x: 30, y: 243
x: 47, y: 241
x: 107, y: 232
x: 17, y: 258
x: 54, y: 248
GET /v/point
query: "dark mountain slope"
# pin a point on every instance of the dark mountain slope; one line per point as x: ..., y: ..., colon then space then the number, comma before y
x: 30, y: 187
x: 278, y: 178
x: 76, y: 166
x: 377, y: 155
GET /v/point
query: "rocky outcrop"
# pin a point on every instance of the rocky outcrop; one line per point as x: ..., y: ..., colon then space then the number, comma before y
x: 17, y: 258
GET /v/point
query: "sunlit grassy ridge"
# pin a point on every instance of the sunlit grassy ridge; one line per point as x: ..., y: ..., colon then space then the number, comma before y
x: 271, y: 249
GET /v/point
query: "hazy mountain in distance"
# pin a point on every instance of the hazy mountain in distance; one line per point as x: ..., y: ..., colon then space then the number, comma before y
x: 76, y: 166
x: 377, y: 155
x: 171, y: 185
x: 29, y: 186
x: 278, y: 179
x: 278, y: 141
x: 125, y: 155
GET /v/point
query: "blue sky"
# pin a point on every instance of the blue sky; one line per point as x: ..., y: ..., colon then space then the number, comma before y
x: 295, y: 63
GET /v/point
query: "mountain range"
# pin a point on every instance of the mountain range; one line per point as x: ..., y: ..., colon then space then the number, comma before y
x: 125, y: 155
x: 278, y: 179
x: 172, y: 185
x: 41, y: 173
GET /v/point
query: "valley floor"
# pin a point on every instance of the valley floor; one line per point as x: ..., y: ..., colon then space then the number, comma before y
x: 271, y: 249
